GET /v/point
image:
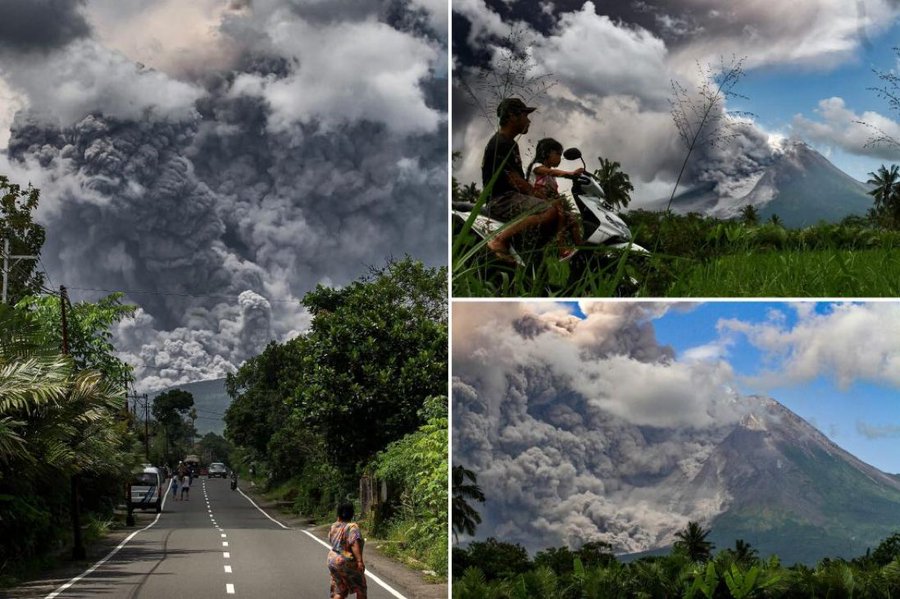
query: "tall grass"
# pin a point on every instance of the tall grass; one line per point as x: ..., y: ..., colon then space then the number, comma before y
x: 795, y: 273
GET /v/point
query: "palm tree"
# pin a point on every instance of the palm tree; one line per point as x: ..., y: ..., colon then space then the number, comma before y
x: 32, y: 377
x: 616, y: 184
x: 775, y: 220
x: 692, y: 542
x: 744, y: 552
x: 887, y: 189
x: 465, y: 517
x: 749, y: 214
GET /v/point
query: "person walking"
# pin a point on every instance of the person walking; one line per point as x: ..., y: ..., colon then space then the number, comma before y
x: 175, y: 485
x: 185, y: 487
x: 345, y: 559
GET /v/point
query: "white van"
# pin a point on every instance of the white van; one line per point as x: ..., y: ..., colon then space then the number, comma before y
x: 146, y: 489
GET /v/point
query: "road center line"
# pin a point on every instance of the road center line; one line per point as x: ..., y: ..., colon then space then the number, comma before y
x: 226, y: 555
x: 111, y: 553
x: 385, y: 585
x: 228, y: 569
x: 229, y: 588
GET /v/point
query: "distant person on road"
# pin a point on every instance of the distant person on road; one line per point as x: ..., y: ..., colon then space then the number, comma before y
x: 175, y: 486
x: 345, y: 559
x: 185, y: 487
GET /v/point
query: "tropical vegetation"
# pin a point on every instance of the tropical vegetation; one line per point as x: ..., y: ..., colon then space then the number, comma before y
x: 698, y: 256
x: 360, y: 396
x: 496, y: 569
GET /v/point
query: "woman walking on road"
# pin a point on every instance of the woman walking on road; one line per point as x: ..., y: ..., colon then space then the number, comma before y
x: 175, y: 486
x: 345, y: 560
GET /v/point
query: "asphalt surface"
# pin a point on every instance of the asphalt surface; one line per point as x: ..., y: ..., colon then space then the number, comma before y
x: 215, y: 544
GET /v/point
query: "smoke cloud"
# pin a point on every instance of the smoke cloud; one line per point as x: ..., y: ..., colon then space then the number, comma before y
x: 566, y: 420
x: 217, y: 192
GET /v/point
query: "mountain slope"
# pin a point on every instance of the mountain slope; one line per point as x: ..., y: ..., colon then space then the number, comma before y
x: 800, y: 185
x: 794, y: 492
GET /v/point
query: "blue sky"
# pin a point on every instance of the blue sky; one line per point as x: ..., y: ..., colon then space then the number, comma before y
x: 834, y: 411
x: 775, y: 94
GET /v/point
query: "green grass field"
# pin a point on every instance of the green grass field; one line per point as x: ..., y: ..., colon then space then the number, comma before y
x: 794, y: 273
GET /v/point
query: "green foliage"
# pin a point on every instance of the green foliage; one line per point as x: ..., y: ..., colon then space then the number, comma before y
x: 887, y: 551
x: 465, y: 489
x: 616, y: 184
x: 214, y: 448
x: 375, y: 351
x: 56, y: 422
x: 89, y: 334
x: 417, y: 465
x: 887, y: 195
x: 496, y: 559
x: 692, y: 542
x: 169, y: 409
x: 360, y: 390
x: 26, y: 238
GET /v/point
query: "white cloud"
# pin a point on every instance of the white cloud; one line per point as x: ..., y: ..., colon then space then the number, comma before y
x: 86, y: 77
x: 346, y: 72
x: 586, y: 52
x: 850, y: 343
x: 840, y: 127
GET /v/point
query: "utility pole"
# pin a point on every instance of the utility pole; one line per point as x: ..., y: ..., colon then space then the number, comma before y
x: 6, y: 266
x: 146, y: 406
x: 78, y: 551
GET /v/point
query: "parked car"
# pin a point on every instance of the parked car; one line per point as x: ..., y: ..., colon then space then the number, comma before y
x: 218, y: 469
x: 145, y: 489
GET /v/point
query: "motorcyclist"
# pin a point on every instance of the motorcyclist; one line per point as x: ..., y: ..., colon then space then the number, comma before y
x: 234, y: 480
x: 512, y: 195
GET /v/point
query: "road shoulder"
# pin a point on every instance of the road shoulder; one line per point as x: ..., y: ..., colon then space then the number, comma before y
x: 413, y: 582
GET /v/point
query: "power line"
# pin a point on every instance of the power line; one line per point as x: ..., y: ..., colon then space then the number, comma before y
x: 177, y: 294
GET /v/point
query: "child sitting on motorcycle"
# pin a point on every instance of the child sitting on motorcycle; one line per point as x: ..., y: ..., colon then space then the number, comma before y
x: 542, y: 173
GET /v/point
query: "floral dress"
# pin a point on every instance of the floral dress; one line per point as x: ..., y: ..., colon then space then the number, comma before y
x: 346, y: 579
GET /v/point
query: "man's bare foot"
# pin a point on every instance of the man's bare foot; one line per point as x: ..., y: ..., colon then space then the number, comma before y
x: 501, y: 251
x: 567, y: 253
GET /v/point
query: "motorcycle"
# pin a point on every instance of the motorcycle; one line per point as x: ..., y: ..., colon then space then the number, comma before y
x: 603, y: 228
x: 233, y: 481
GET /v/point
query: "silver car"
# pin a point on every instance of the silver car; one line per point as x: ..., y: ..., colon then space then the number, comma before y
x: 217, y: 469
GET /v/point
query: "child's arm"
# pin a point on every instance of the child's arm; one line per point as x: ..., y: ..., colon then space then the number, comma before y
x: 541, y: 170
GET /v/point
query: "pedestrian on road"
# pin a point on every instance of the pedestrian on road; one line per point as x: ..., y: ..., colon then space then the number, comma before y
x: 185, y: 487
x: 175, y: 488
x: 345, y: 559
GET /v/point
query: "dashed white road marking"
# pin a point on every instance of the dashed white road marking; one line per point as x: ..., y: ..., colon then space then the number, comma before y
x: 228, y: 569
x: 229, y: 588
x: 226, y: 555
x: 224, y: 543
x: 223, y: 535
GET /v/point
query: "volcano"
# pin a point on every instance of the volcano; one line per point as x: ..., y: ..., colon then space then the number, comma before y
x: 800, y: 185
x: 792, y: 491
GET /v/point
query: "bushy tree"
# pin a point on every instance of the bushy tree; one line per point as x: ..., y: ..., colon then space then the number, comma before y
x: 376, y: 350
x: 26, y: 238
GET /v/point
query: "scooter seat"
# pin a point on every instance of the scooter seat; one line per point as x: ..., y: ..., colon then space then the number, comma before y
x: 464, y: 206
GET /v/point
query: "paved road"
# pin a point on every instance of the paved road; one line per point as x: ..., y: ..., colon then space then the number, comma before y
x: 216, y: 544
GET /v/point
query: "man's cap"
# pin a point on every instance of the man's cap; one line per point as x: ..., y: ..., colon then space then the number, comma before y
x: 513, y: 106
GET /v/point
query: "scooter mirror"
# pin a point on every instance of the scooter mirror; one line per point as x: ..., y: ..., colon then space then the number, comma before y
x: 572, y: 154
